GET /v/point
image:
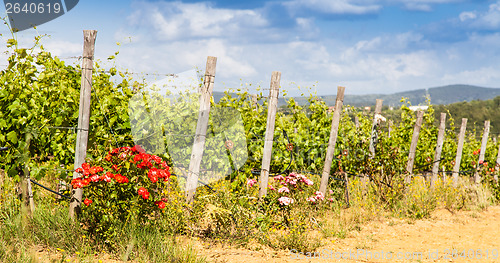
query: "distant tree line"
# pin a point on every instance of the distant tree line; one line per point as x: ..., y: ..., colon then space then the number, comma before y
x: 476, y: 111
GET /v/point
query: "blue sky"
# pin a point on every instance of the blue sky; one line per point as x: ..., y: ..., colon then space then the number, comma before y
x: 368, y: 46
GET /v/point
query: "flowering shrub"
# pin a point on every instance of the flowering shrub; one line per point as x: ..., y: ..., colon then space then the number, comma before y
x: 126, y: 185
x: 293, y: 185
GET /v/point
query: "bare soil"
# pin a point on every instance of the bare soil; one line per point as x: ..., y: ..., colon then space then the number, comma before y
x: 464, y: 236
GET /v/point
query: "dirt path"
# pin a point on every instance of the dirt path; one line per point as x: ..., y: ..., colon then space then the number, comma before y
x: 466, y: 236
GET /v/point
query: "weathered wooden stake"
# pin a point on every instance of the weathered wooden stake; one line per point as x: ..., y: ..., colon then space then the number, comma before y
x: 460, y: 146
x: 333, y: 139
x: 413, y: 146
x: 373, y: 138
x: 254, y: 102
x: 439, y: 148
x: 484, y: 141
x: 201, y: 129
x: 82, y: 136
x: 356, y: 121
x: 268, y: 143
x: 31, y: 201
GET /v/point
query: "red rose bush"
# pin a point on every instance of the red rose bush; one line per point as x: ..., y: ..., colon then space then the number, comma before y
x: 126, y: 185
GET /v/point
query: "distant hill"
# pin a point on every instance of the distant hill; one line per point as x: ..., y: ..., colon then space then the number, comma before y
x: 439, y: 96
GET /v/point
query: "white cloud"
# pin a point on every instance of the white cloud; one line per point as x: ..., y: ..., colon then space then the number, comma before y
x: 171, y: 37
x: 63, y: 48
x: 340, y: 7
x: 423, y: 5
x: 489, y: 20
x: 484, y: 76
x: 177, y: 20
x: 467, y: 15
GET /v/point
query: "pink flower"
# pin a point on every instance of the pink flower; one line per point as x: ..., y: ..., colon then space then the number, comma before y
x: 271, y: 187
x: 301, y: 177
x: 291, y: 181
x: 308, y: 181
x: 283, y: 189
x: 311, y: 199
x: 285, y: 200
x: 331, y: 191
x: 330, y: 199
x: 279, y: 178
x: 320, y: 195
x: 251, y: 182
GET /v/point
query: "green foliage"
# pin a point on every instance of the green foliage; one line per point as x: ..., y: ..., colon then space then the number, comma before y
x: 40, y: 93
x: 476, y: 112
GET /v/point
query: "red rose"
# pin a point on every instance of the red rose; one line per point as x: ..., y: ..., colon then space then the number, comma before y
x: 145, y: 196
x: 121, y: 179
x: 107, y: 177
x: 94, y: 178
x: 157, y: 159
x: 77, y: 183
x: 144, y: 164
x: 87, y: 202
x: 138, y: 148
x: 160, y: 204
x: 142, y: 191
x: 86, y: 181
x: 85, y: 166
x: 153, y: 175
x: 114, y: 151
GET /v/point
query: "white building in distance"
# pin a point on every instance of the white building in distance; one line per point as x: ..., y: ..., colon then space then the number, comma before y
x: 416, y: 108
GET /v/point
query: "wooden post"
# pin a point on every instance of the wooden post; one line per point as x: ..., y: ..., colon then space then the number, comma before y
x: 374, y: 135
x: 439, y: 148
x: 497, y: 165
x: 268, y: 141
x: 201, y: 129
x: 254, y: 102
x: 346, y: 181
x: 31, y: 201
x: 460, y: 146
x: 82, y: 136
x: 484, y: 141
x: 333, y: 140
x: 28, y: 204
x: 413, y: 146
x: 356, y: 121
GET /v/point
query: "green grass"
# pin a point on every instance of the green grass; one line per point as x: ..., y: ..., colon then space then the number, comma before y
x: 23, y: 237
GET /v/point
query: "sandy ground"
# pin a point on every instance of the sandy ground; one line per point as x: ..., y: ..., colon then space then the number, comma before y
x: 465, y: 236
